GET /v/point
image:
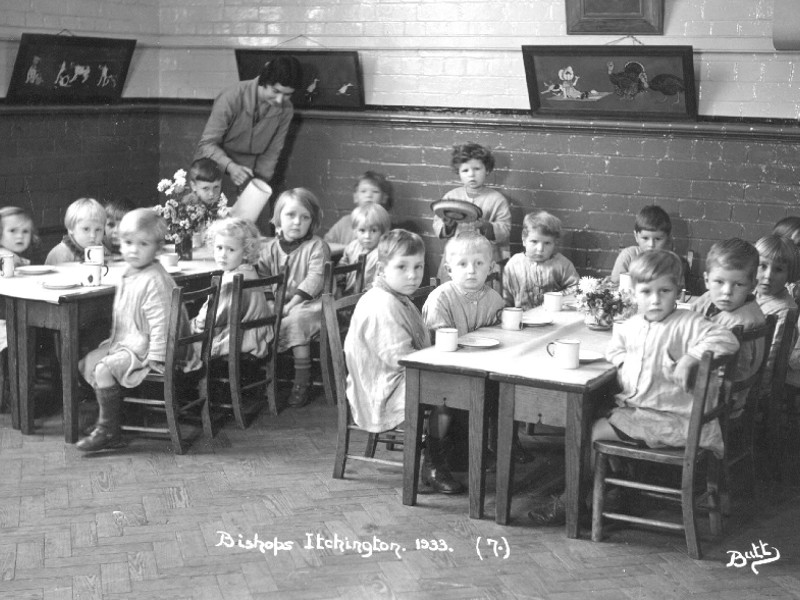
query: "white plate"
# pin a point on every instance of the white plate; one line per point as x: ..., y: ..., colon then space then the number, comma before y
x: 476, y: 341
x: 60, y: 285
x: 34, y: 270
x: 536, y: 321
x: 457, y: 210
x: 587, y: 356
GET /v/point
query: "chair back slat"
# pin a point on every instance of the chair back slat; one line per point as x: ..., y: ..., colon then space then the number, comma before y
x: 765, y: 334
x: 332, y: 273
x: 332, y: 310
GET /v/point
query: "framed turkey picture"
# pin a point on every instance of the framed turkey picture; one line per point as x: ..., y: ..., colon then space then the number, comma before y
x: 331, y: 78
x: 617, y: 82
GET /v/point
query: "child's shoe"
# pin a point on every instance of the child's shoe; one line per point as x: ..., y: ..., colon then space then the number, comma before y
x: 101, y: 438
x: 300, y: 395
x: 434, y: 471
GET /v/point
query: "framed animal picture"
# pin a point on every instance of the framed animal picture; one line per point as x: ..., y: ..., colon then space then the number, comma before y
x: 59, y: 69
x: 630, y: 82
x: 332, y: 79
x: 603, y: 17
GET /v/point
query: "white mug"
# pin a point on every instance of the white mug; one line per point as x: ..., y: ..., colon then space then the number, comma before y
x: 447, y: 339
x: 553, y: 301
x: 93, y: 274
x: 7, y: 264
x: 169, y: 259
x: 625, y: 282
x: 566, y: 353
x: 94, y: 255
x: 511, y: 318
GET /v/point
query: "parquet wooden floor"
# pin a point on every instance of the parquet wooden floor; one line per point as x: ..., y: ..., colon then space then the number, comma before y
x: 143, y: 523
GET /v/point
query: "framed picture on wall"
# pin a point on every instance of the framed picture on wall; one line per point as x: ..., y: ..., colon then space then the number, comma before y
x: 331, y: 78
x: 641, y: 17
x: 621, y: 82
x: 57, y: 69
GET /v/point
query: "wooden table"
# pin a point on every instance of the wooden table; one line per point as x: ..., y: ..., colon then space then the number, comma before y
x: 533, y: 390
x: 29, y: 305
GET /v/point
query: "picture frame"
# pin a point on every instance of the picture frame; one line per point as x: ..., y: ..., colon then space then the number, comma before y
x: 60, y: 69
x: 601, y: 17
x: 332, y: 79
x: 622, y: 82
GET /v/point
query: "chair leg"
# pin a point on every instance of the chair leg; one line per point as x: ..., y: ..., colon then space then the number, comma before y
x: 712, y: 488
x: 598, y: 496
x: 178, y: 444
x: 689, y: 516
x: 342, y: 440
x: 372, y: 444
x: 272, y: 389
x: 327, y: 373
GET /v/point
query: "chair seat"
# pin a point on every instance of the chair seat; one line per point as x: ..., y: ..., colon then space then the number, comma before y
x: 669, y: 456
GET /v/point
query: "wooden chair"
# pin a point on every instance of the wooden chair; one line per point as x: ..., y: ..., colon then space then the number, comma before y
x: 688, y: 459
x: 261, y: 373
x: 333, y: 272
x: 333, y: 312
x: 175, y: 394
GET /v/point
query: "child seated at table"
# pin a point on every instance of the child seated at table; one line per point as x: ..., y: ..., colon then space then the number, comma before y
x: 235, y: 245
x: 655, y: 352
x: 138, y: 341
x: 371, y: 187
x: 778, y: 261
x: 472, y: 163
x: 115, y: 210
x: 85, y: 221
x: 731, y: 268
x: 297, y: 216
x: 789, y: 227
x: 370, y: 222
x: 386, y: 326
x: 540, y: 268
x: 652, y: 231
x: 17, y: 235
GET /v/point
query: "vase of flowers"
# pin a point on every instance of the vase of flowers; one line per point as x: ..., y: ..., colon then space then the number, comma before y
x: 184, y: 213
x: 603, y: 303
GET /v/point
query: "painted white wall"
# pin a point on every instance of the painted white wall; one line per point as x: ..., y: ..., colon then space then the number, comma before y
x: 425, y: 53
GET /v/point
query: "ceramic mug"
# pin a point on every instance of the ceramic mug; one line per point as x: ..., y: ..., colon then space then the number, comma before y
x: 553, y: 301
x: 625, y: 282
x: 511, y: 318
x: 169, y: 259
x: 94, y: 255
x: 447, y: 339
x: 7, y: 264
x: 566, y: 353
x: 93, y: 274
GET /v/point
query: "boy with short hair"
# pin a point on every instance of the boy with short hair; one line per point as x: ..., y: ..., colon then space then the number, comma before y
x: 652, y: 230
x: 371, y: 188
x: 115, y: 210
x: 370, y: 222
x: 85, y: 221
x: 731, y: 267
x: 205, y: 181
x: 540, y: 269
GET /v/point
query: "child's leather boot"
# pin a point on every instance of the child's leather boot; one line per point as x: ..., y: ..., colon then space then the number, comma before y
x: 434, y: 471
x: 106, y: 433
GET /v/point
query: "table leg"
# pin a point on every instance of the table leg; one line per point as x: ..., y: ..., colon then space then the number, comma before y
x: 505, y: 466
x: 413, y: 437
x: 69, y: 367
x: 477, y: 446
x: 576, y: 448
x: 13, y: 361
x: 26, y: 365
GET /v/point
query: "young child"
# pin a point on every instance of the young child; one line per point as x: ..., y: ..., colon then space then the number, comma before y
x: 655, y: 352
x: 370, y: 222
x: 789, y: 227
x: 386, y: 326
x: 85, y: 221
x: 540, y: 269
x: 205, y: 181
x: 731, y: 268
x: 653, y: 231
x: 115, y: 210
x: 138, y: 341
x: 370, y: 187
x: 297, y: 216
x: 235, y: 244
x: 472, y: 163
x: 17, y: 235
x: 777, y: 265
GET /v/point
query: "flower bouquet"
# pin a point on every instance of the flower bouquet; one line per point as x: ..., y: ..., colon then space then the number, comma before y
x: 603, y: 303
x: 185, y: 213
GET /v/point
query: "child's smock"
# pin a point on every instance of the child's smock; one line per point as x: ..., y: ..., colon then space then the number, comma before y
x: 351, y: 255
x: 525, y: 281
x: 448, y: 306
x: 385, y: 327
x: 494, y: 207
x: 139, y: 328
x: 341, y: 232
x: 651, y: 407
x: 306, y: 273
x: 254, y: 306
x: 66, y: 251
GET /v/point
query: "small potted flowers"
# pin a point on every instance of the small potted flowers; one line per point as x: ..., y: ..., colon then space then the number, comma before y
x: 603, y: 303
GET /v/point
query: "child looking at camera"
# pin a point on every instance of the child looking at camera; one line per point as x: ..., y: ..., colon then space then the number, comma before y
x: 540, y: 269
x: 371, y: 187
x: 235, y: 245
x: 731, y: 268
x: 115, y: 210
x: 297, y: 216
x: 138, y: 341
x: 655, y: 352
x: 472, y: 163
x: 17, y: 234
x: 85, y: 221
x: 370, y: 222
x: 789, y: 227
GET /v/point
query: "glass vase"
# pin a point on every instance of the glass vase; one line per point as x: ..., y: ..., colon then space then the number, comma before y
x: 598, y: 322
x: 184, y: 248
